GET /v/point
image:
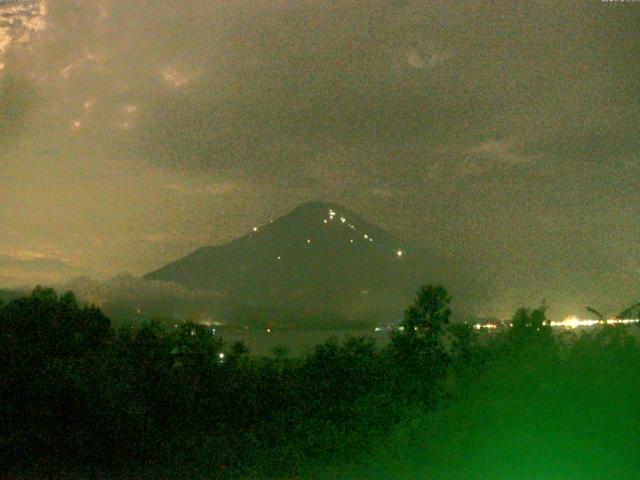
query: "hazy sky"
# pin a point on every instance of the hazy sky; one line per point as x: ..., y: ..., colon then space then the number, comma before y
x: 502, y: 132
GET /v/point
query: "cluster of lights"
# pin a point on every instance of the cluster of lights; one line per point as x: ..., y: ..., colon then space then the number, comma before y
x: 401, y: 329
x: 365, y: 236
x: 486, y: 326
x: 567, y: 323
x: 344, y: 221
x: 574, y: 322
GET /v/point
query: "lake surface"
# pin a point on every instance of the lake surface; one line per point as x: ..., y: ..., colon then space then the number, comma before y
x: 297, y: 342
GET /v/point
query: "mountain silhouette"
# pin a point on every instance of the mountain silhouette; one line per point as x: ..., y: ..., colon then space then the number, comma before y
x: 319, y: 259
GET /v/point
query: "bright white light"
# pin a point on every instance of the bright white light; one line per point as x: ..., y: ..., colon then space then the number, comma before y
x: 343, y: 220
x: 574, y: 322
x: 255, y: 229
x: 366, y: 236
x: 221, y: 355
x: 399, y: 253
x: 308, y: 240
x: 488, y: 326
x: 279, y: 257
x: 325, y: 220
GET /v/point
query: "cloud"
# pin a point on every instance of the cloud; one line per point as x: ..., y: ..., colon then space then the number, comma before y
x: 200, y: 188
x: 117, y: 123
x: 134, y: 298
x: 20, y: 21
x: 415, y: 59
x: 422, y: 59
x: 500, y: 152
x: 17, y: 101
x: 30, y: 268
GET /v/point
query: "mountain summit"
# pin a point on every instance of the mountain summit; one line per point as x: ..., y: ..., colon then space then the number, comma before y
x: 318, y: 258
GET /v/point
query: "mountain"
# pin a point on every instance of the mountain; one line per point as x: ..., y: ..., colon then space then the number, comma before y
x: 319, y: 259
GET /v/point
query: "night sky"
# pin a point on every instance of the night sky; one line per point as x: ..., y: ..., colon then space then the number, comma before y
x: 502, y: 134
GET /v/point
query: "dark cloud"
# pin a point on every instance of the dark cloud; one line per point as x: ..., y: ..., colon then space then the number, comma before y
x: 488, y: 130
x: 17, y: 98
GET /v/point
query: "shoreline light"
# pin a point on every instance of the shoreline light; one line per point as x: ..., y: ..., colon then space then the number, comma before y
x: 574, y: 322
x: 568, y: 323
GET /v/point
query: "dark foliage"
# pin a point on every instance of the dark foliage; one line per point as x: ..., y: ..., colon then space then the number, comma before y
x: 78, y: 396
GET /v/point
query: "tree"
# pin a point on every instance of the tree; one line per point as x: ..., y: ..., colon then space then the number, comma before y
x: 46, y: 324
x: 430, y: 310
x: 532, y: 319
x: 464, y: 345
x: 626, y: 313
x: 418, y: 346
x: 195, y: 345
x: 530, y: 329
x: 238, y: 349
x: 51, y: 384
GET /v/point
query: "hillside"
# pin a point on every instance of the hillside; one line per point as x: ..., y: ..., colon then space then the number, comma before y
x: 320, y: 258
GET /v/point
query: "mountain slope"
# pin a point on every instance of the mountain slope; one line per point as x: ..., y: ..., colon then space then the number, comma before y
x: 318, y: 258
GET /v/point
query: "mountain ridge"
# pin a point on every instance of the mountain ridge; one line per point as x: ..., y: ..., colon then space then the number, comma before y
x: 318, y: 257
